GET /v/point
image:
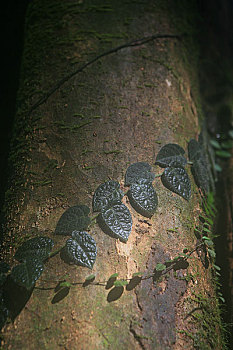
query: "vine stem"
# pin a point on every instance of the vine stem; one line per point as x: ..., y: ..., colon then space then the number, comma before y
x: 104, y: 283
x: 132, y: 43
x: 158, y: 175
x: 52, y: 254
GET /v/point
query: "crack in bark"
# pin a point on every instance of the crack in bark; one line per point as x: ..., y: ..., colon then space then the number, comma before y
x: 136, y: 337
x: 136, y: 42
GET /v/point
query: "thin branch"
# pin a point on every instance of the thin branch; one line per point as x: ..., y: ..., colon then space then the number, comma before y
x: 137, y: 42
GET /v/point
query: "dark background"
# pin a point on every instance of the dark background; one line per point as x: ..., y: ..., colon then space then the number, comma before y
x: 12, y: 14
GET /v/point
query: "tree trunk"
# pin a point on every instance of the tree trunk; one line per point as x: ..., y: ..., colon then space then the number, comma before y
x: 118, y: 110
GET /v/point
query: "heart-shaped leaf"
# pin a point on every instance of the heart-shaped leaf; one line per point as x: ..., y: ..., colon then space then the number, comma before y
x: 137, y: 171
x: 3, y: 311
x: 117, y: 222
x: 38, y: 247
x: 106, y: 195
x: 200, y: 174
x: 143, y: 197
x: 199, y: 167
x: 177, y: 180
x: 171, y: 154
x: 81, y: 249
x: 74, y: 218
x: 194, y: 150
x: 28, y: 272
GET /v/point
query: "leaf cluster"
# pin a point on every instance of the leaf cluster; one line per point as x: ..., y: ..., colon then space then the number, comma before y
x: 175, y: 178
x: 114, y: 218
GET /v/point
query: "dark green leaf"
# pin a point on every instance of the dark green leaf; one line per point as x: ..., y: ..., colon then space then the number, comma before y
x: 38, y: 247
x: 27, y: 273
x: 177, y: 180
x: 194, y: 150
x: 223, y: 154
x: 117, y: 222
x: 215, y: 144
x: 199, y: 166
x: 217, y: 167
x: 143, y: 197
x: 211, y: 200
x: 209, y: 243
x: 137, y: 171
x: 230, y: 133
x: 74, y: 218
x: 227, y: 144
x: 106, y: 195
x: 206, y: 238
x: 171, y: 154
x: 81, y: 249
x: 200, y: 174
x: 212, y: 253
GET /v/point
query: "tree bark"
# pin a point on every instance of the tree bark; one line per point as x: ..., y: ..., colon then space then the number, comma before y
x: 118, y: 110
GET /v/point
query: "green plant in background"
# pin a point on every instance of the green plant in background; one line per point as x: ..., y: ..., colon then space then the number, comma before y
x: 222, y: 148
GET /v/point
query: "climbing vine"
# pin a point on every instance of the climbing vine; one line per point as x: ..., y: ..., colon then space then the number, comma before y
x: 115, y: 220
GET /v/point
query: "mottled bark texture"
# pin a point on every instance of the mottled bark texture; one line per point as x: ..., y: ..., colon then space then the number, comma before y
x: 119, y: 110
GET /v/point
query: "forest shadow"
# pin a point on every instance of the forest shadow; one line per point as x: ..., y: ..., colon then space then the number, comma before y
x: 60, y: 293
x: 15, y: 297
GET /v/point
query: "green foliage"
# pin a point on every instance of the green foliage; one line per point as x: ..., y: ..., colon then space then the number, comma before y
x: 38, y: 247
x: 74, y: 218
x: 143, y: 197
x: 120, y: 283
x: 177, y: 180
x: 117, y: 221
x: 65, y: 284
x: 106, y: 195
x: 171, y: 154
x: 138, y: 171
x: 81, y: 249
x: 199, y: 164
x: 28, y: 272
x: 160, y: 267
x: 221, y: 148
